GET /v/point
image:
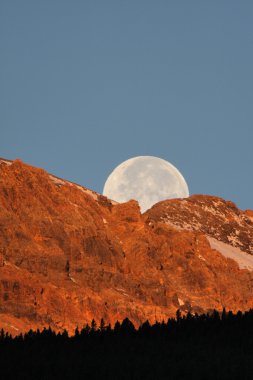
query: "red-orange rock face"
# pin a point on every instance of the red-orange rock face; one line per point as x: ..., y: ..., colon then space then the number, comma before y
x: 68, y: 255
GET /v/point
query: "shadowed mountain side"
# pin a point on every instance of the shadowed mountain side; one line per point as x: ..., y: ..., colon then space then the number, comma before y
x: 68, y: 255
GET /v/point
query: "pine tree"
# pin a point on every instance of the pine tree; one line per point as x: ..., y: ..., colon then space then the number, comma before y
x: 102, y: 325
x: 93, y: 325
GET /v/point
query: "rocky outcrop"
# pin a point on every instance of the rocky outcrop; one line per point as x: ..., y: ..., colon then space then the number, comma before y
x: 68, y: 254
x: 212, y: 216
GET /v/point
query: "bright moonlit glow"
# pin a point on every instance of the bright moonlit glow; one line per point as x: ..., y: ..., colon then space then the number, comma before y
x: 146, y: 179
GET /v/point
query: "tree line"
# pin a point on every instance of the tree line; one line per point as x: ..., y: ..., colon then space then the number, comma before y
x: 207, y: 346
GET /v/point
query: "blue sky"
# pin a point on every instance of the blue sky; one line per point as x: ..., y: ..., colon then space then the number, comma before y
x: 86, y: 85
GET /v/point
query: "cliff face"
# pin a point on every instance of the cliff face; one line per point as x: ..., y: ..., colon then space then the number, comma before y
x: 210, y: 215
x: 68, y: 254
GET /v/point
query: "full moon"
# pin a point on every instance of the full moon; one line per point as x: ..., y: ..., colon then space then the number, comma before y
x: 146, y: 179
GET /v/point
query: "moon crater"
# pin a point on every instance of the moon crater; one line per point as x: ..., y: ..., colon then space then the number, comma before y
x: 146, y: 179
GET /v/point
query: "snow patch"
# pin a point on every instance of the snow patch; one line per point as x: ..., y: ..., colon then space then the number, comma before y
x: 181, y: 302
x: 92, y: 194
x: 122, y: 291
x: 6, y: 162
x: 59, y: 181
x: 243, y: 259
x: 182, y: 225
x: 201, y: 258
x: 13, y: 327
x: 87, y: 191
x: 168, y: 222
x: 13, y: 265
x: 213, y: 211
x: 234, y: 240
x: 56, y: 180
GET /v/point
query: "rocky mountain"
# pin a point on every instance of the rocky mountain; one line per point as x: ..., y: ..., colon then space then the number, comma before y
x: 68, y: 254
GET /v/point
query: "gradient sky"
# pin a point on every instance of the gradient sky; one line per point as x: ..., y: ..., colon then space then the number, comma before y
x: 88, y: 84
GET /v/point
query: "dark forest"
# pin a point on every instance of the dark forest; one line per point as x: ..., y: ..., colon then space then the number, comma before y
x: 208, y: 346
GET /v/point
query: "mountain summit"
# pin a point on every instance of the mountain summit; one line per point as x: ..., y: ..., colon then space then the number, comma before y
x: 68, y: 254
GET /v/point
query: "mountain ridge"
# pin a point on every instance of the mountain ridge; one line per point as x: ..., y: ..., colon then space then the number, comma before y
x: 68, y: 254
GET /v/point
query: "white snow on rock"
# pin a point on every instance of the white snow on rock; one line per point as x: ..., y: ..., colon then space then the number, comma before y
x: 201, y: 258
x: 244, y: 260
x: 56, y: 180
x: 182, y: 225
x: 234, y: 240
x: 92, y: 194
x: 180, y: 301
x: 12, y: 326
x: 6, y: 161
x: 59, y: 181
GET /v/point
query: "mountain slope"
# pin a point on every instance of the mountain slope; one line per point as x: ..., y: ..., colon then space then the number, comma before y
x: 68, y: 254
